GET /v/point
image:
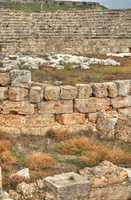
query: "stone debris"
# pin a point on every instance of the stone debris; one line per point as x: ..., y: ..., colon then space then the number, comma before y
x: 68, y: 186
x: 58, y: 61
x: 22, y: 173
x: 105, y: 174
x: 105, y: 181
x: 122, y: 55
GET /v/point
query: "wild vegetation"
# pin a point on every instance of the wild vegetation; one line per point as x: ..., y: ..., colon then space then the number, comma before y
x: 57, y: 153
x: 38, y: 7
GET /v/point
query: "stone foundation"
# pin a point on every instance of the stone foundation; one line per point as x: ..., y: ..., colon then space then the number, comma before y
x: 34, y: 108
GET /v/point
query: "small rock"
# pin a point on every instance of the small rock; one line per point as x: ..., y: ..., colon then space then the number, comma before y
x: 23, y: 173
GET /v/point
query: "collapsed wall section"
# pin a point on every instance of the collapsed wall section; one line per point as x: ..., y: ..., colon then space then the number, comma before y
x: 76, y: 31
x: 34, y: 108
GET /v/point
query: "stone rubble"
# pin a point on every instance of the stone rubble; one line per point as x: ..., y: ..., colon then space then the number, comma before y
x: 122, y: 55
x: 58, y: 61
x: 105, y: 181
x: 24, y: 173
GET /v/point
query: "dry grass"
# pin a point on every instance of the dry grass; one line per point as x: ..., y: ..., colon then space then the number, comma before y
x: 94, y: 74
x: 6, y: 157
x: 59, y: 135
x: 92, y: 153
x: 4, y: 145
x: 40, y: 160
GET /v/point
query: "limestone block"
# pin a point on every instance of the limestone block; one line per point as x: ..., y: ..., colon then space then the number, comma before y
x: 70, y: 119
x: 123, y: 129
x: 114, y: 192
x: 125, y: 112
x: 121, y: 102
x: 68, y: 186
x: 11, y: 120
x: 112, y: 89
x: 20, y: 77
x: 68, y: 92
x: 106, y: 125
x: 18, y: 93
x: 52, y: 93
x: 92, y: 117
x: 56, y: 107
x: 84, y: 91
x: 3, y: 93
x: 99, y: 90
x: 22, y: 107
x: 4, y: 79
x: 37, y: 131
x: 91, y: 105
x: 10, y: 130
x: 124, y: 87
x: 40, y: 120
x: 36, y: 94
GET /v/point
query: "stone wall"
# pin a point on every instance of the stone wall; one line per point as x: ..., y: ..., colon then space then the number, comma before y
x: 76, y: 31
x: 34, y: 108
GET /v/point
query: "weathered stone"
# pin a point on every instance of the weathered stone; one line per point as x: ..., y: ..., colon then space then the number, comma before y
x: 12, y: 120
x: 18, y: 93
x: 22, y: 173
x: 23, y: 107
x: 106, y: 125
x: 84, y: 91
x: 123, y: 129
x: 10, y: 130
x: 3, y: 93
x: 68, y: 92
x: 105, y: 174
x: 4, y: 79
x: 40, y: 120
x: 36, y: 131
x: 20, y: 77
x: 92, y: 117
x: 69, y: 119
x: 26, y: 189
x: 91, y: 105
x: 121, y: 102
x: 112, y: 89
x: 99, y: 90
x: 124, y: 87
x: 56, y: 107
x: 52, y: 93
x: 36, y: 94
x: 68, y: 186
x: 125, y: 112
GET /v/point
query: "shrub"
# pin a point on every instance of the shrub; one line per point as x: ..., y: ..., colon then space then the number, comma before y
x: 91, y: 152
x: 4, y: 145
x: 6, y: 160
x: 58, y: 135
x: 40, y: 161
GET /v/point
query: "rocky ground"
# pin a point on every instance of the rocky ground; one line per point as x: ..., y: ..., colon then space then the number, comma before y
x: 105, y: 181
x: 70, y: 69
x: 56, y: 61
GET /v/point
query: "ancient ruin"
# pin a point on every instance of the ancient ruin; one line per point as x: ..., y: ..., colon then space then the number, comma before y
x: 65, y: 141
x: 72, y: 32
